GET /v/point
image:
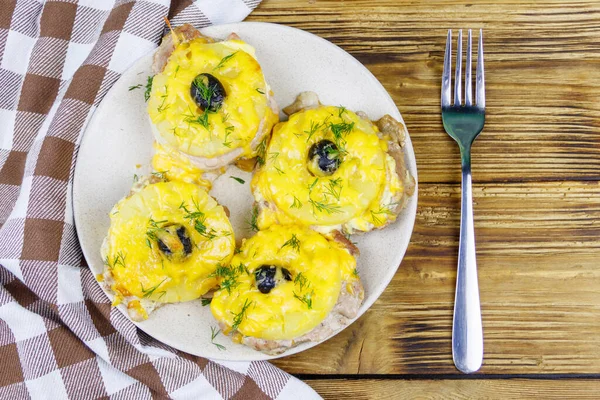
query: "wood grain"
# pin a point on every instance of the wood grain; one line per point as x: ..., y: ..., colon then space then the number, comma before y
x: 456, y: 389
x: 536, y: 171
x: 542, y: 78
x: 538, y: 259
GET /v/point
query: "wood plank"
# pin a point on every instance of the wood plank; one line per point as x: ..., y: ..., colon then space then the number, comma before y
x: 538, y: 256
x: 456, y: 389
x: 542, y: 78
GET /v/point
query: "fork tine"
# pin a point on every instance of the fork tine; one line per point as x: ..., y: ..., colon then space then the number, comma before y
x: 480, y: 94
x: 447, y: 71
x: 468, y: 91
x: 458, y: 77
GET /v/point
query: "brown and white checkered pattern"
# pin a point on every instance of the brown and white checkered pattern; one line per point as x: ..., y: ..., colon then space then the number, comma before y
x: 59, y: 336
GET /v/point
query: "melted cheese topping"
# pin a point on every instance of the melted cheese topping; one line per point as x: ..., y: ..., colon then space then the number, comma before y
x: 245, y: 109
x: 177, y: 168
x: 358, y: 196
x: 136, y: 267
x: 284, y: 312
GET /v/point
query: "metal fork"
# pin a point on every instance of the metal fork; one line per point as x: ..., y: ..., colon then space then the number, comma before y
x: 464, y: 123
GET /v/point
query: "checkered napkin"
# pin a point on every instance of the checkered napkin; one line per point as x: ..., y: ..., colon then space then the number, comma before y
x: 59, y: 336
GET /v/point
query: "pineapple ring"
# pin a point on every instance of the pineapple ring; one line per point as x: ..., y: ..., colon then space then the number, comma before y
x: 242, y: 119
x: 358, y: 192
x: 164, y: 242
x: 317, y: 268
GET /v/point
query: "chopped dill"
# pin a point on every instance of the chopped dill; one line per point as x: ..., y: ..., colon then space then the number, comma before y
x: 314, y: 127
x: 329, y: 208
x: 225, y: 117
x: 135, y: 87
x: 312, y: 185
x: 160, y: 174
x: 355, y: 272
x: 273, y: 156
x: 238, y: 180
x: 261, y: 151
x: 279, y: 170
x: 198, y: 219
x: 306, y: 298
x: 334, y: 188
x: 239, y: 317
x: 214, y: 333
x: 301, y: 281
x: 176, y: 71
x: 238, y: 250
x: 228, y: 274
x: 153, y: 228
x: 296, y: 204
x: 201, y: 119
x: 119, y: 259
x: 205, y: 301
x: 341, y: 111
x: 148, y: 292
x: 223, y: 61
x: 148, y: 87
x: 228, y: 131
x: 383, y: 210
x: 260, y: 91
x: 135, y: 178
x: 205, y: 91
x: 253, y: 221
x: 339, y: 131
x: 294, y: 243
x: 162, y: 107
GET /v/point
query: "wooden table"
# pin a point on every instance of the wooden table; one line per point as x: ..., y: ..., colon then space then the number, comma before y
x: 536, y: 171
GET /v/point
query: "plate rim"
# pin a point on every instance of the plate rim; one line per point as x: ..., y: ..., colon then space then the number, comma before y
x: 408, y: 152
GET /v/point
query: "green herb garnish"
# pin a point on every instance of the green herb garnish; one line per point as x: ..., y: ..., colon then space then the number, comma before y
x: 135, y: 87
x: 306, y: 298
x: 148, y: 88
x: 223, y: 61
x: 320, y: 206
x: 150, y: 291
x: 153, y: 228
x: 314, y: 127
x: 261, y: 151
x: 294, y: 243
x: 253, y: 222
x: 334, y: 188
x: 301, y: 281
x: 205, y: 301
x: 160, y: 174
x: 239, y: 317
x: 198, y: 219
x: 260, y: 91
x: 239, y: 180
x: 214, y: 333
x: 296, y: 204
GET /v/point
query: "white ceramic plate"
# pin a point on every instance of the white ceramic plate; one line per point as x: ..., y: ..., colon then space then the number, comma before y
x: 118, y: 138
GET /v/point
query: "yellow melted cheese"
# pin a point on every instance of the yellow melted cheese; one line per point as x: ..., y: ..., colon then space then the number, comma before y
x: 137, y: 267
x: 358, y: 196
x: 280, y: 314
x: 176, y: 168
x: 245, y: 109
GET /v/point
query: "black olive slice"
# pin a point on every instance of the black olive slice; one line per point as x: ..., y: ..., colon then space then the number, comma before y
x: 267, y: 277
x: 207, y: 92
x: 324, y: 158
x: 174, y: 242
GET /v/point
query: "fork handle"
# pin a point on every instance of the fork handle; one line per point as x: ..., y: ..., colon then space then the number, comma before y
x: 467, y: 332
